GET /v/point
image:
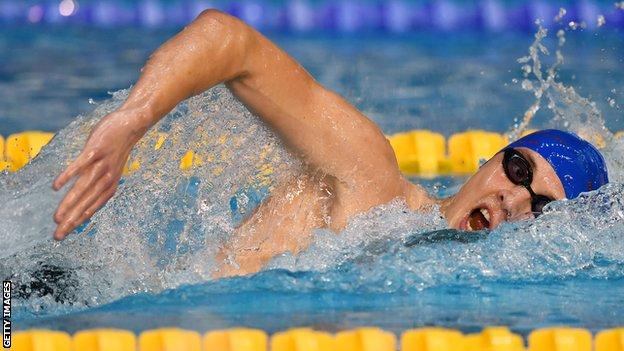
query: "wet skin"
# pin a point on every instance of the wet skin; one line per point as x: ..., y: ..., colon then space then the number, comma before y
x: 490, y: 190
x: 346, y: 151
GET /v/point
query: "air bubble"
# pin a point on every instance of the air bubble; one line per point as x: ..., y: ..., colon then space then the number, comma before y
x: 561, y: 37
x: 601, y: 21
x: 526, y: 70
x: 527, y: 85
x: 560, y: 15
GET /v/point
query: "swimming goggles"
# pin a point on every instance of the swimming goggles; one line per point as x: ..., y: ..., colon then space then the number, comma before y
x: 519, y: 172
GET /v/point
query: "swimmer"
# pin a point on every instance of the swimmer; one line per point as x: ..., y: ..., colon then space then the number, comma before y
x: 343, y: 149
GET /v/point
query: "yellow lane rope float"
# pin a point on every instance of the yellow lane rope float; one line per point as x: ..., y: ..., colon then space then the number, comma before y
x: 418, y: 152
x: 304, y: 339
x: 18, y: 149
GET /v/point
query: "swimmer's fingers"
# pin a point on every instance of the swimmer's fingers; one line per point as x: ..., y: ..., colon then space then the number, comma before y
x: 80, y: 163
x: 103, y: 190
x: 82, y: 187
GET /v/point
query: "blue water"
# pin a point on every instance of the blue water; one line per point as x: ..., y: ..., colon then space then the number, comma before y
x: 48, y: 74
x: 522, y: 306
x: 145, y: 260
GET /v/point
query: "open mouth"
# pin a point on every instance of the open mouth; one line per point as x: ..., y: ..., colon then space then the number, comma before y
x: 478, y: 219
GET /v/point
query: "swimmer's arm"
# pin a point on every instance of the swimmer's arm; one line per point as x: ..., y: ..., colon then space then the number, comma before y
x: 320, y: 126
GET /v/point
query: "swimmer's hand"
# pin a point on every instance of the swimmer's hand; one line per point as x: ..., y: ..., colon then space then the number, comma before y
x: 98, y: 169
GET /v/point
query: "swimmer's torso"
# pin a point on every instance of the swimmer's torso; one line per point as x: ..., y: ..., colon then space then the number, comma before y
x: 282, y: 223
x: 285, y: 221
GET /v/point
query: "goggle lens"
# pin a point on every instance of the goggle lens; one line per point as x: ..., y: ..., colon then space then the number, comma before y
x: 519, y: 172
x: 517, y: 168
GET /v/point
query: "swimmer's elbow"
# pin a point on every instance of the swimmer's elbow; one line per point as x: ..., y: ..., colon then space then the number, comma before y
x: 231, y: 37
x: 212, y: 19
x: 212, y: 15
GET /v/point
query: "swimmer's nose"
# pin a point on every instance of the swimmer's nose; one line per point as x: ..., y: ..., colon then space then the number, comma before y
x: 515, y: 202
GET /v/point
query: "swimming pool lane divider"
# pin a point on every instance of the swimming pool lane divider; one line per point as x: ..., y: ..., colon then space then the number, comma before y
x: 306, y: 339
x: 344, y: 16
x: 19, y: 149
x: 419, y: 152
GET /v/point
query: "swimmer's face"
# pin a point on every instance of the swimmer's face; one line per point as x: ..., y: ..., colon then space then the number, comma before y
x: 497, y: 199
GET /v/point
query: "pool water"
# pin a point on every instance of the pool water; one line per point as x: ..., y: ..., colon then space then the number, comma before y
x: 49, y: 74
x: 146, y: 259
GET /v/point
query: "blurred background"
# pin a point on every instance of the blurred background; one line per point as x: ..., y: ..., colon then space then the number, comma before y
x: 407, y: 64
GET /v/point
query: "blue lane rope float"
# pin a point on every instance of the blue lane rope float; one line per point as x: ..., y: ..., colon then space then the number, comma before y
x: 323, y: 15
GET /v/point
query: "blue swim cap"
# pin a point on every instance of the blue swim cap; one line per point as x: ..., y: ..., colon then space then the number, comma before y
x: 579, y: 165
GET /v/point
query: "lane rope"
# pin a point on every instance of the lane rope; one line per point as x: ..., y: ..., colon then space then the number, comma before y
x: 419, y: 152
x: 306, y: 339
